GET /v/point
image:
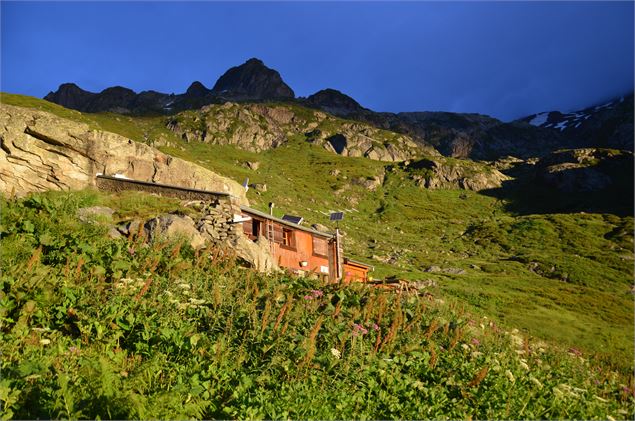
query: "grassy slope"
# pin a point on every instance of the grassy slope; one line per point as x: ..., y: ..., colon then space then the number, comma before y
x: 119, y: 329
x: 562, y: 277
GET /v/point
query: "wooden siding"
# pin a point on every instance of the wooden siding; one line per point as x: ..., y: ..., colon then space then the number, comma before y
x: 355, y: 273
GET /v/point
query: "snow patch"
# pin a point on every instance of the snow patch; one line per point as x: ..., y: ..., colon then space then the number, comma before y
x: 607, y: 105
x: 121, y: 176
x: 539, y: 119
x: 562, y: 125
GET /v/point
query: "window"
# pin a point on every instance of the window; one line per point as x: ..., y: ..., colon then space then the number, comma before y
x: 287, y: 237
x: 255, y: 228
x: 319, y: 246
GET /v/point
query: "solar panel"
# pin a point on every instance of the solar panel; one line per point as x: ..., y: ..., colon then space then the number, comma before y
x: 337, y: 216
x: 293, y: 219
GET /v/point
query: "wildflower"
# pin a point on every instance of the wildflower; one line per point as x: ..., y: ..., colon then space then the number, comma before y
x: 183, y: 285
x: 357, y: 329
x: 535, y: 381
x: 482, y: 326
x: 476, y: 342
x: 375, y: 327
x: 196, y: 302
x: 131, y: 251
x: 308, y: 297
x: 336, y: 353
x: 465, y: 346
x: 476, y: 354
x: 510, y: 376
x: 524, y: 365
x: 316, y: 293
x: 45, y: 341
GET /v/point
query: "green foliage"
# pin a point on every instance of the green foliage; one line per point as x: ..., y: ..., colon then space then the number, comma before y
x: 122, y: 329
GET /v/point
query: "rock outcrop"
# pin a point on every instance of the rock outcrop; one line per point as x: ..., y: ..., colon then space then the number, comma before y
x: 443, y: 173
x: 40, y: 151
x: 259, y: 127
x: 585, y: 170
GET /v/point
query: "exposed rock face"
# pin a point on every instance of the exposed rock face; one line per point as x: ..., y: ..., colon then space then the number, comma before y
x: 40, y: 151
x: 252, y: 80
x: 334, y: 102
x: 258, y: 127
x: 443, y: 174
x: 585, y: 170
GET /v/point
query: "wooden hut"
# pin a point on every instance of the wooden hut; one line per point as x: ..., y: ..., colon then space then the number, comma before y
x: 302, y: 249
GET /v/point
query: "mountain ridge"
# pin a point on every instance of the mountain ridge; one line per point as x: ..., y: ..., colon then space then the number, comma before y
x: 458, y: 135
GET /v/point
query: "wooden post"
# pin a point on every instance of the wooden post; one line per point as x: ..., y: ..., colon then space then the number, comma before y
x: 339, y: 255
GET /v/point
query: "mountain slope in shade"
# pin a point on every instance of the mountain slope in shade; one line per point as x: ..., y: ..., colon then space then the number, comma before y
x: 608, y: 125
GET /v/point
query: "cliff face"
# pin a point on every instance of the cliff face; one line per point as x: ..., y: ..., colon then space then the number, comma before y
x: 40, y: 151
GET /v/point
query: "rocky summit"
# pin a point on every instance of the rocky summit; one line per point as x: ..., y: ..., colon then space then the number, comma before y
x: 252, y: 81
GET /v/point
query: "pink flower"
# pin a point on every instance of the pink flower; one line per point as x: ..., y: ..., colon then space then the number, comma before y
x: 375, y: 327
x: 476, y: 341
x: 308, y: 297
x: 359, y: 329
x: 316, y: 293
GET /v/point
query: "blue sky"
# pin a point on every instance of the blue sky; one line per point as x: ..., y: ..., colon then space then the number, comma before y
x: 505, y: 59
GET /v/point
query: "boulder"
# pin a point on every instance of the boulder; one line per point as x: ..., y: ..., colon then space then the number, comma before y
x: 252, y: 165
x: 174, y: 227
x: 257, y: 254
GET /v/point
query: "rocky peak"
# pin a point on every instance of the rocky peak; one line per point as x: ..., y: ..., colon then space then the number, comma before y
x: 197, y: 89
x: 116, y: 98
x: 252, y: 80
x: 334, y: 102
x: 70, y: 95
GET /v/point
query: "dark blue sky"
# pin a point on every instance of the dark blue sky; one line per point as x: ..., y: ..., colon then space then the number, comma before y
x: 505, y: 59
